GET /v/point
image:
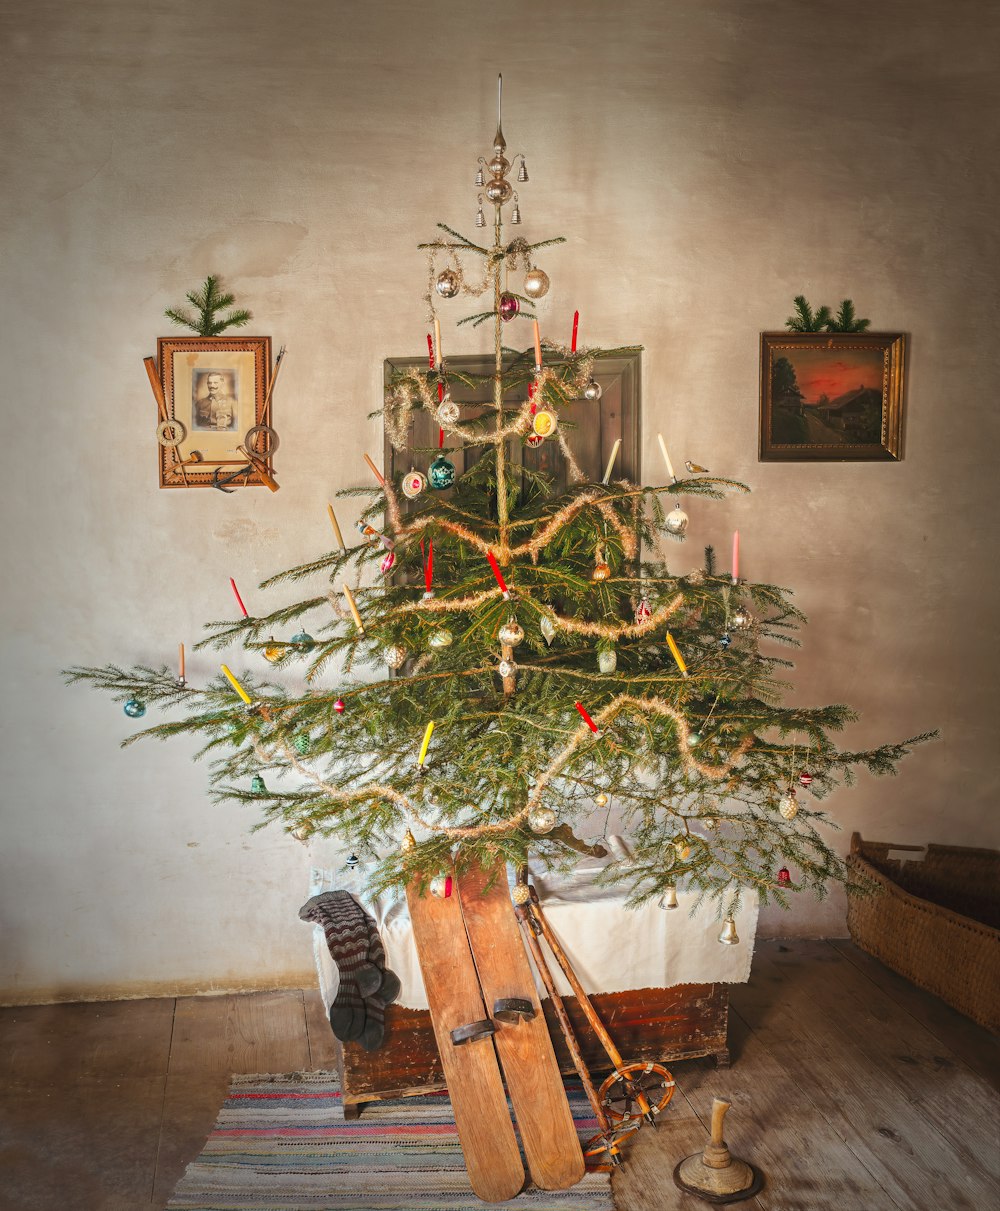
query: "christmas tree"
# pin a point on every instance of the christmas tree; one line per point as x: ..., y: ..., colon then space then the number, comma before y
x: 492, y: 660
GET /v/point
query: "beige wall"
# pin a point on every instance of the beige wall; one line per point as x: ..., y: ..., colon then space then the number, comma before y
x: 706, y: 161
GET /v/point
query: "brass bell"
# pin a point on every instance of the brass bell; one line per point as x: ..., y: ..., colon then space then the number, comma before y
x: 522, y: 172
x: 729, y: 936
x: 669, y: 898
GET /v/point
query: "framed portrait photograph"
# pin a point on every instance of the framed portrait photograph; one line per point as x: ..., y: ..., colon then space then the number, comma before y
x: 216, y: 394
x: 831, y: 396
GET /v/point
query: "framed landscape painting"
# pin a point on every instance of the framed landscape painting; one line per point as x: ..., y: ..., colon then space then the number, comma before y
x: 831, y: 397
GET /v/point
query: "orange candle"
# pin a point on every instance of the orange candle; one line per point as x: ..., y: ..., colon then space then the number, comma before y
x: 538, y: 345
x: 180, y: 661
x: 336, y: 528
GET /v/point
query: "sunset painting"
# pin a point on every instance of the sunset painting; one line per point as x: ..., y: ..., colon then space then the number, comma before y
x: 824, y: 396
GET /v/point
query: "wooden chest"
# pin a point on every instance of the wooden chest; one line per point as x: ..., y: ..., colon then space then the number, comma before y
x: 663, y: 1024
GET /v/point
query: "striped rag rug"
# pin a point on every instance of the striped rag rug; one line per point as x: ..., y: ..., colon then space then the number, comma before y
x: 281, y: 1143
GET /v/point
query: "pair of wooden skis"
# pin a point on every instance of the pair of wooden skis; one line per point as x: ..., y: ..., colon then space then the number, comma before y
x: 481, y: 993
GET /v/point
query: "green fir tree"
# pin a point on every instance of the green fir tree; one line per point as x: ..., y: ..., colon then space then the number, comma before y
x: 208, y: 302
x: 718, y: 782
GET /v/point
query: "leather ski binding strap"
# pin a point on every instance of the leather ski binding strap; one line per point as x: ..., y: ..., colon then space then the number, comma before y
x: 510, y: 1010
x: 472, y: 1032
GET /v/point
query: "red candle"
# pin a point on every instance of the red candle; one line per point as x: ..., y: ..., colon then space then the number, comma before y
x: 498, y: 574
x: 440, y: 439
x: 440, y: 393
x: 586, y: 718
x: 429, y: 567
x: 430, y: 350
x: 239, y: 599
x: 576, y: 324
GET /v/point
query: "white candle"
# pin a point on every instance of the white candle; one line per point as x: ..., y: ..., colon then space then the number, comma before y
x: 611, y: 460
x: 666, y: 457
x: 736, y: 556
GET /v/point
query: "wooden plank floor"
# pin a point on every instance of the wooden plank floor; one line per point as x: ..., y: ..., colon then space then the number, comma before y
x: 851, y: 1089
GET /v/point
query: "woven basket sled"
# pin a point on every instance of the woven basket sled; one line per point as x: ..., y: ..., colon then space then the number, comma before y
x: 935, y: 921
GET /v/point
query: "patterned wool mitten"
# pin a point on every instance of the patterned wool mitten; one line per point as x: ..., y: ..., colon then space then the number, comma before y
x: 346, y: 927
x: 373, y: 1034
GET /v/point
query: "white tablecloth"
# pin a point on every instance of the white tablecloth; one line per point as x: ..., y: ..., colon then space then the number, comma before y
x: 611, y: 948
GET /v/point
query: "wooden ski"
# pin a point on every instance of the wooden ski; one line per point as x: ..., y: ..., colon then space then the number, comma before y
x: 464, y: 1035
x: 534, y: 1082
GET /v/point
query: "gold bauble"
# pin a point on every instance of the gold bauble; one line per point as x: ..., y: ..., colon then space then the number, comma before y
x: 788, y: 805
x: 521, y: 894
x: 536, y: 283
x: 601, y: 571
x: 499, y: 190
x: 409, y: 842
x: 302, y: 832
x: 498, y: 166
x: 542, y: 819
x: 510, y: 633
x: 274, y: 651
x: 601, y: 799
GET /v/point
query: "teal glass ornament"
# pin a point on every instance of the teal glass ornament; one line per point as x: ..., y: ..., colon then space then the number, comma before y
x: 134, y: 708
x: 301, y: 743
x: 257, y: 786
x: 441, y: 473
x: 302, y: 640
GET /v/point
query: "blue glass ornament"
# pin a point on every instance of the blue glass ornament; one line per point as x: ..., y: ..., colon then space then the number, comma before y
x: 134, y: 708
x: 301, y: 742
x: 302, y: 640
x: 694, y: 739
x: 257, y: 786
x: 725, y: 640
x: 441, y: 473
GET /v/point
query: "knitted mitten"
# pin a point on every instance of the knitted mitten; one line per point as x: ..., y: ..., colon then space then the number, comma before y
x: 346, y: 927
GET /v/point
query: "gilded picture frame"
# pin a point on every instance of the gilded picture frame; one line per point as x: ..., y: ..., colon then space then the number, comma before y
x: 215, y: 392
x: 831, y: 396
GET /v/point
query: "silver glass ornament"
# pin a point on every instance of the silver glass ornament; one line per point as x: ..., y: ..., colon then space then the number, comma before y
x: 593, y: 390
x: 548, y: 628
x: 788, y: 805
x: 506, y: 668
x: 536, y: 283
x: 542, y: 819
x: 740, y: 619
x: 498, y: 166
x: 352, y: 860
x: 414, y: 482
x: 441, y: 638
x: 480, y: 217
x: 522, y: 172
x: 515, y: 214
x: 669, y: 898
x: 447, y: 284
x: 480, y: 175
x: 510, y: 633
x: 499, y: 190
x: 676, y: 521
x: 448, y: 411
x: 607, y: 660
x: 395, y: 655
x: 694, y: 739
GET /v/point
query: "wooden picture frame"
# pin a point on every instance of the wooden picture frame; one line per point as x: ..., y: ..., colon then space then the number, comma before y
x: 215, y: 393
x: 831, y: 396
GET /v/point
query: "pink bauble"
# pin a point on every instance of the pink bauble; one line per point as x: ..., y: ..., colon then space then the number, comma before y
x: 388, y: 560
x: 509, y: 306
x: 340, y: 706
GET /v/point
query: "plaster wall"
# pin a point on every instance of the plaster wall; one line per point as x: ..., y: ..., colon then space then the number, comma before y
x: 706, y: 161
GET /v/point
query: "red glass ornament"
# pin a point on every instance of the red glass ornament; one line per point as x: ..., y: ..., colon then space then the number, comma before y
x: 784, y: 878
x: 534, y: 439
x: 339, y: 706
x: 643, y: 611
x: 509, y: 306
x: 388, y: 559
x: 805, y: 779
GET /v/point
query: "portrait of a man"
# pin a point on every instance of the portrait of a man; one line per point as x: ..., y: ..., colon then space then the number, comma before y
x: 214, y: 403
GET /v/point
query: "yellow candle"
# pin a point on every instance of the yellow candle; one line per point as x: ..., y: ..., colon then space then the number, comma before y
x: 426, y: 743
x: 336, y: 528
x: 236, y: 685
x: 675, y: 652
x: 538, y: 345
x: 354, y: 609
x: 611, y: 460
x: 180, y: 661
x: 666, y: 456
x: 437, y: 340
